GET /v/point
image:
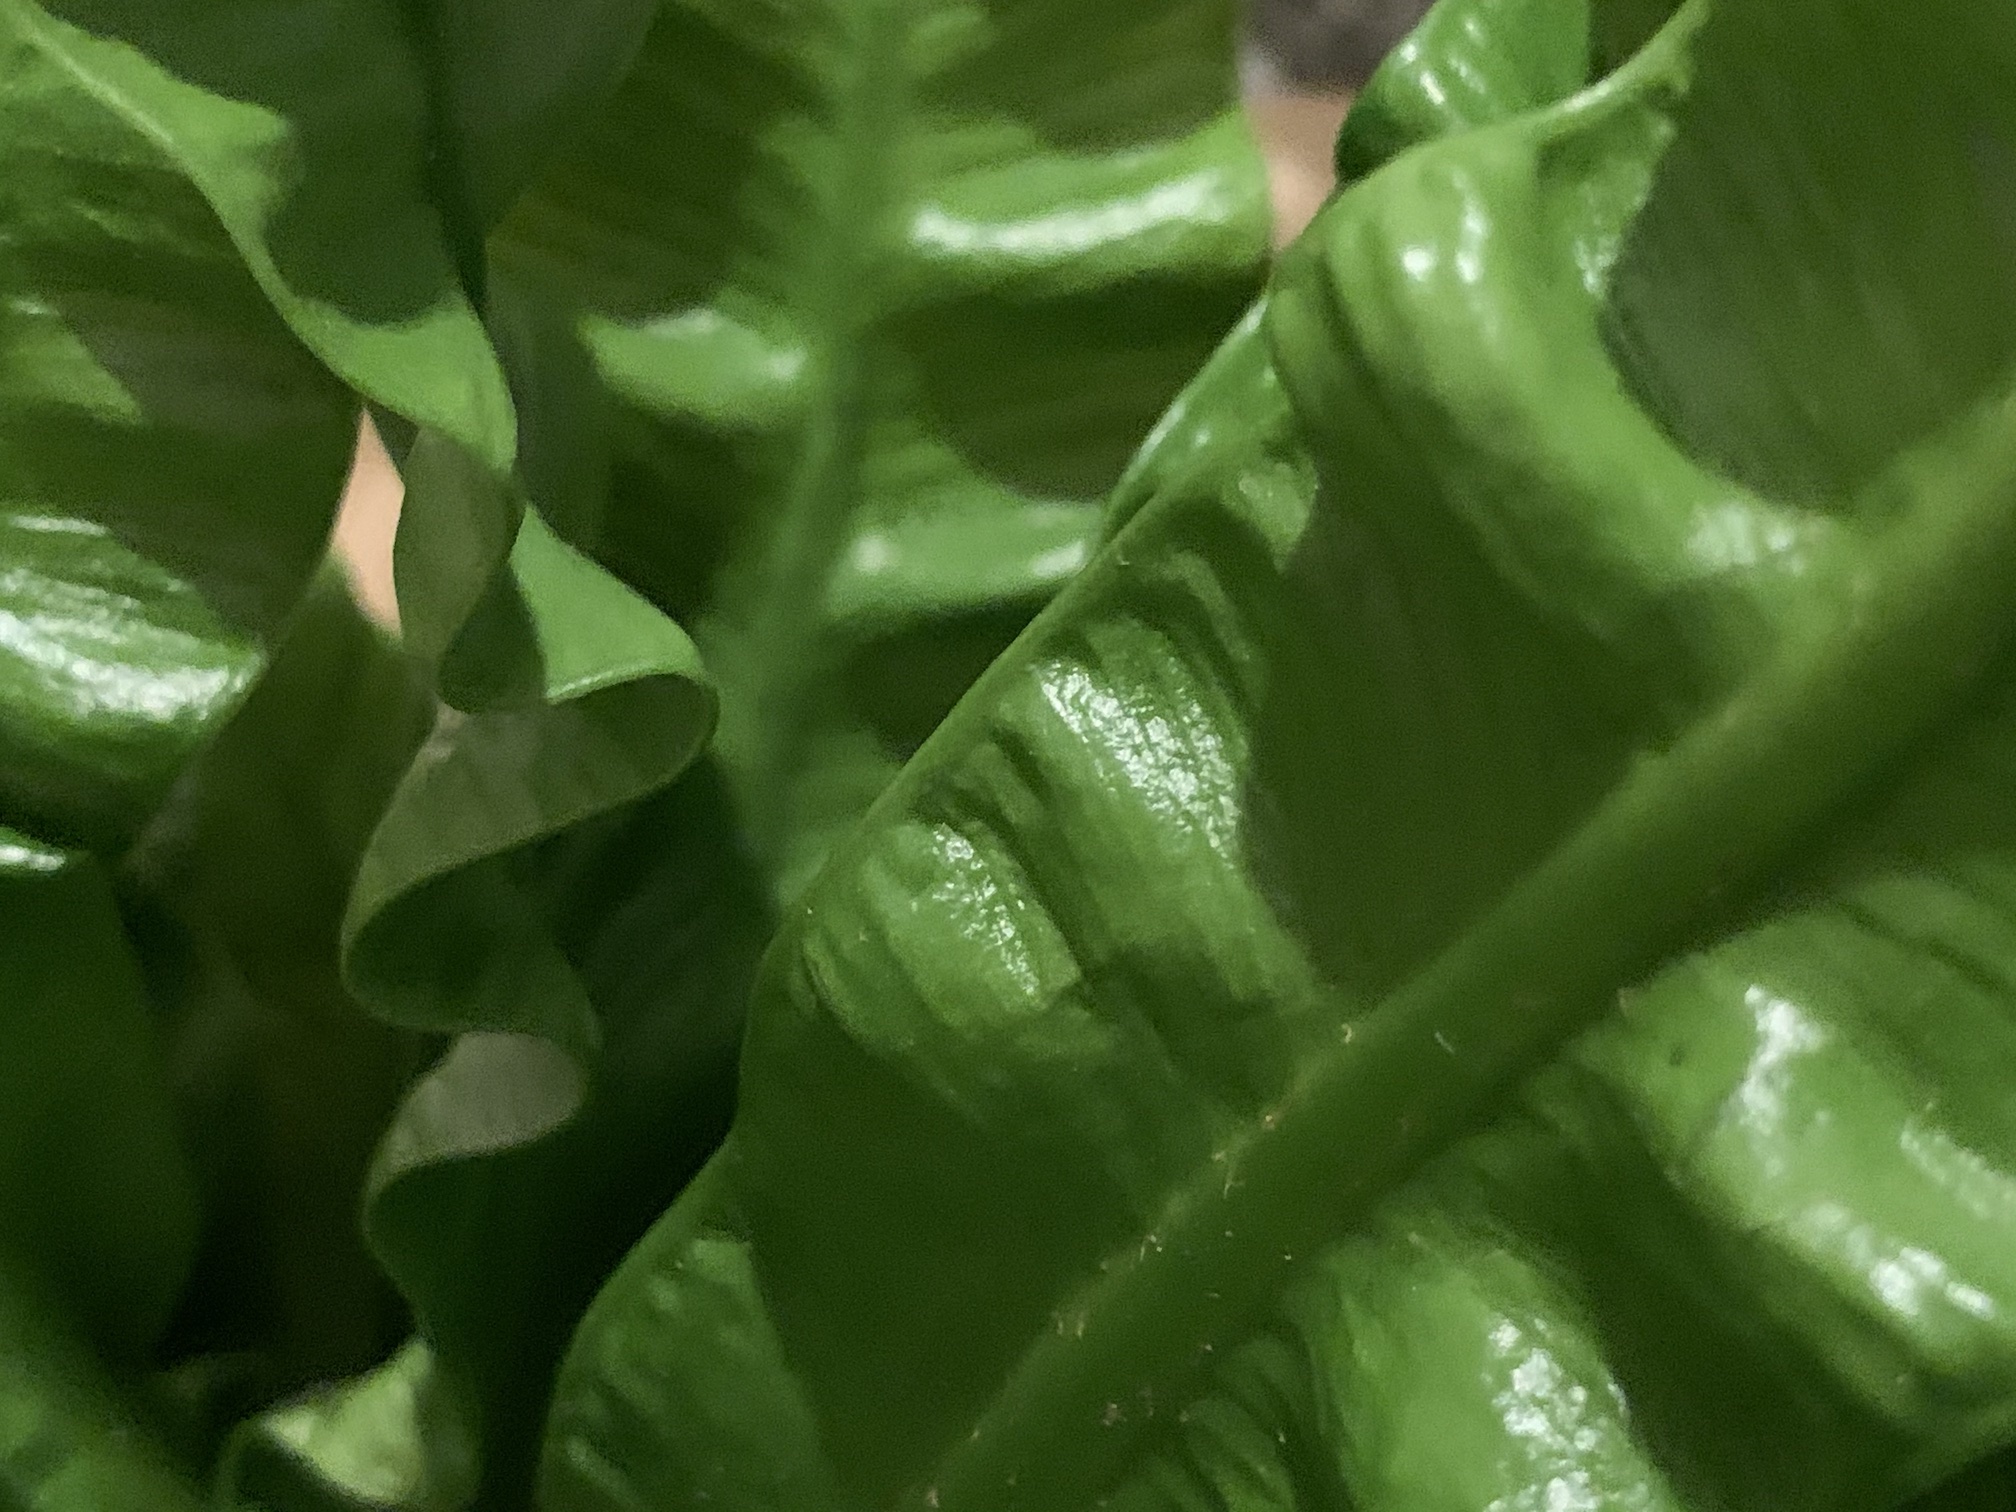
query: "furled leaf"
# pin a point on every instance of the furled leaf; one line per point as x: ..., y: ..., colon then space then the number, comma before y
x: 170, y: 457
x: 1578, y: 607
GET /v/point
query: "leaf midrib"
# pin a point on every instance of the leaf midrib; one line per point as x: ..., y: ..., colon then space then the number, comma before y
x: 841, y: 280
x: 1687, y: 833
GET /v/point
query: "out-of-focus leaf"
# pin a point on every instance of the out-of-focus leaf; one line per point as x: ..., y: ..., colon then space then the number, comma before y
x: 96, y: 1200
x: 510, y: 83
x: 98, y: 1214
x: 1580, y: 603
x: 285, y: 1081
x: 386, y: 1439
x: 69, y: 1440
x: 887, y: 296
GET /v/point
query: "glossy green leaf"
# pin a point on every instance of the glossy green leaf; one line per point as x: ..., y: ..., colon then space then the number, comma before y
x: 1551, y: 676
x: 170, y: 457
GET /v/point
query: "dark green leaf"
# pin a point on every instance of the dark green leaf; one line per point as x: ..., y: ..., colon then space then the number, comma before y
x: 98, y: 1210
x: 238, y: 889
x: 110, y: 1225
x: 1590, y: 608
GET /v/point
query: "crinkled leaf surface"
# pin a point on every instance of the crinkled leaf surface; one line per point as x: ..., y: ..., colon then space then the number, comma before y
x: 1465, y: 962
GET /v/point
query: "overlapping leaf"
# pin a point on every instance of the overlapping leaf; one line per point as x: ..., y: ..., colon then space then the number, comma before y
x: 1582, y: 599
x: 223, y: 225
x: 1134, y: 232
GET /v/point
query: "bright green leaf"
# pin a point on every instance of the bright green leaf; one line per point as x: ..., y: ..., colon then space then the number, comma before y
x: 1587, y: 614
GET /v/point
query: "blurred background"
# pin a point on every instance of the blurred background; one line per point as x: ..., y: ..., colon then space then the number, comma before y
x: 1326, y: 45
x: 1304, y: 58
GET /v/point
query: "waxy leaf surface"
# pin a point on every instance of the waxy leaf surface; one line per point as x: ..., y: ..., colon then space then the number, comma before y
x: 1465, y: 961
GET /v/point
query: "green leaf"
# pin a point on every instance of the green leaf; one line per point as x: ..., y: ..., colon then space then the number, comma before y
x: 170, y: 457
x: 887, y: 295
x: 109, y: 1228
x: 1587, y: 615
x: 98, y: 1210
x: 337, y: 165
x: 511, y: 82
x: 69, y: 1441
x: 1133, y: 227
x: 386, y: 1439
x: 236, y: 894
x: 1471, y: 63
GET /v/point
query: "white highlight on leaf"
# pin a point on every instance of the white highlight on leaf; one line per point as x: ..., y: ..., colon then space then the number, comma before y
x: 32, y: 858
x: 1556, y: 1416
x: 1985, y: 1190
x: 1784, y: 1034
x: 76, y: 649
x: 1059, y: 561
x: 1906, y: 1278
x: 968, y: 892
x: 703, y: 323
x: 1179, y: 203
x: 873, y: 552
x: 1470, y: 241
x: 1735, y: 533
x: 1166, y: 748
